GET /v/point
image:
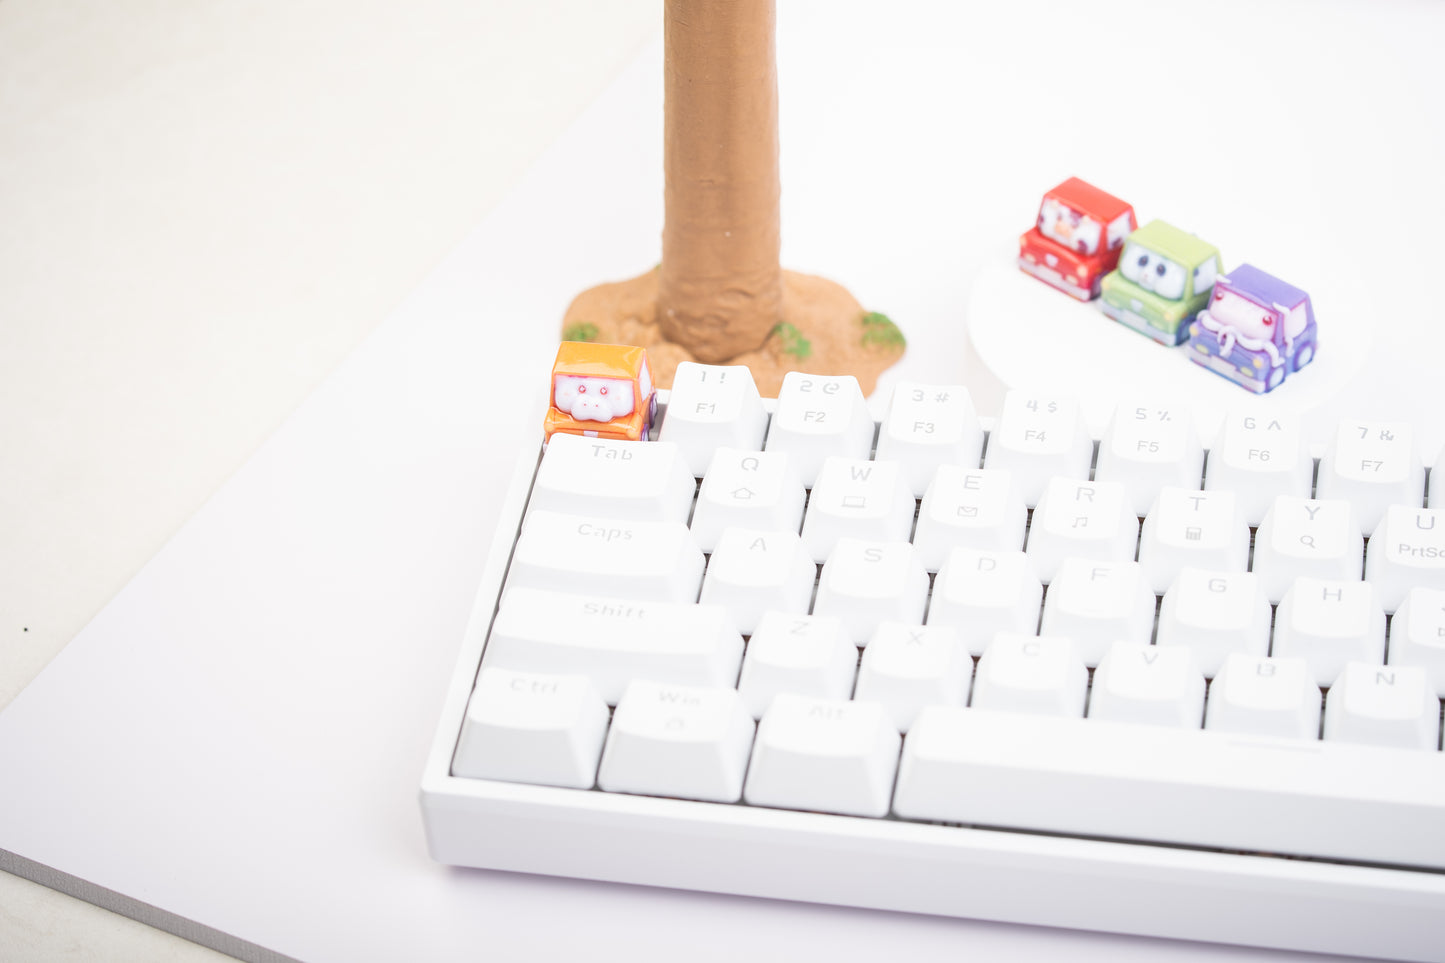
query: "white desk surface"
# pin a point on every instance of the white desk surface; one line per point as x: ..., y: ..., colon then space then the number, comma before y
x: 205, y: 208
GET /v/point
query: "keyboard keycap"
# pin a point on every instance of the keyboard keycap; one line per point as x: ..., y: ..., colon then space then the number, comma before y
x: 614, y: 640
x: 862, y: 499
x: 594, y: 555
x: 1259, y: 456
x: 824, y: 755
x: 1383, y: 706
x: 864, y: 583
x: 1099, y: 603
x: 969, y: 508
x: 1319, y: 538
x: 983, y: 593
x: 928, y: 426
x: 532, y: 727
x: 713, y: 406
x: 818, y: 416
x: 1188, y: 527
x: 1037, y: 438
x: 752, y: 572
x: 1191, y: 787
x: 1148, y: 684
x: 1407, y: 549
x: 1214, y: 614
x: 1031, y: 673
x: 906, y: 667
x: 748, y: 489
x: 1148, y: 446
x: 1264, y: 697
x: 1081, y: 519
x: 1328, y: 624
x: 681, y: 741
x: 1373, y: 465
x: 800, y: 654
x: 648, y: 481
x: 1417, y: 635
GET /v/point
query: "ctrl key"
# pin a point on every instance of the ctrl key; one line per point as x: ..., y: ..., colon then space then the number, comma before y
x: 532, y: 727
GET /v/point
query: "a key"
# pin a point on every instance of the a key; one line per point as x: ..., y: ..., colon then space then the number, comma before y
x: 613, y: 640
x: 981, y: 593
x: 1373, y: 465
x: 1147, y: 446
x: 1264, y: 697
x: 863, y: 499
x: 1084, y: 519
x: 864, y: 583
x: 824, y: 755
x: 748, y: 489
x: 906, y: 667
x: 968, y: 508
x: 595, y: 555
x: 1319, y: 538
x: 1148, y: 684
x: 1259, y: 455
x: 1417, y: 635
x: 929, y: 426
x: 1188, y: 527
x: 1038, y: 437
x: 1098, y: 603
x: 1328, y: 623
x: 1383, y: 706
x: 681, y: 741
x: 802, y: 654
x: 713, y: 406
x: 753, y: 571
x: 532, y: 727
x: 1213, y: 614
x: 1407, y: 549
x: 818, y: 416
x: 642, y: 480
x: 1031, y: 673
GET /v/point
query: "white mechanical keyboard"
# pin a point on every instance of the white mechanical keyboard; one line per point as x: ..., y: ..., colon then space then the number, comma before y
x: 983, y: 668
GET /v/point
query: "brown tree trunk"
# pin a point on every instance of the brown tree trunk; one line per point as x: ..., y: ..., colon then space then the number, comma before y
x: 720, y: 287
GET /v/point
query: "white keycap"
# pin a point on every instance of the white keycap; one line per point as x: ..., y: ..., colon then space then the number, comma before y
x: 906, y: 667
x: 865, y: 583
x: 928, y: 426
x: 859, y: 498
x: 1215, y: 613
x: 1198, y: 529
x: 646, y: 480
x: 982, y: 593
x: 1099, y: 603
x: 713, y: 406
x: 1083, y: 519
x: 1264, y: 697
x: 818, y: 416
x: 595, y: 555
x: 1038, y: 437
x: 1092, y: 778
x: 749, y: 489
x: 802, y: 654
x: 1259, y: 455
x: 1372, y: 465
x: 1417, y: 635
x: 532, y: 727
x: 612, y: 640
x: 1147, y: 446
x: 753, y: 571
x: 825, y: 756
x: 1328, y: 623
x: 968, y: 508
x: 1319, y: 538
x: 1148, y: 684
x: 1383, y: 706
x: 1031, y: 673
x: 681, y: 741
x: 1406, y: 549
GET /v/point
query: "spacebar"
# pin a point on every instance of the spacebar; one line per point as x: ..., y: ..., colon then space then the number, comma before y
x: 1187, y: 787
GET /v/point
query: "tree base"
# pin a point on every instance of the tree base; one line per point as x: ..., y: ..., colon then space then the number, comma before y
x: 824, y: 331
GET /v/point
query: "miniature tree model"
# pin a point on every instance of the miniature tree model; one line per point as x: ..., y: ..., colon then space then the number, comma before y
x: 719, y: 294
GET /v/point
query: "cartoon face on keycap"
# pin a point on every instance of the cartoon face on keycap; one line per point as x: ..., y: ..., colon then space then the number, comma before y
x: 593, y: 399
x: 1153, y: 271
x: 1243, y: 315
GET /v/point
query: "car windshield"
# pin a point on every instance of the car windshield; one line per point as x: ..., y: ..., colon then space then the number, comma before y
x: 593, y: 399
x: 1077, y: 231
x: 1153, y: 271
x: 1240, y: 313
